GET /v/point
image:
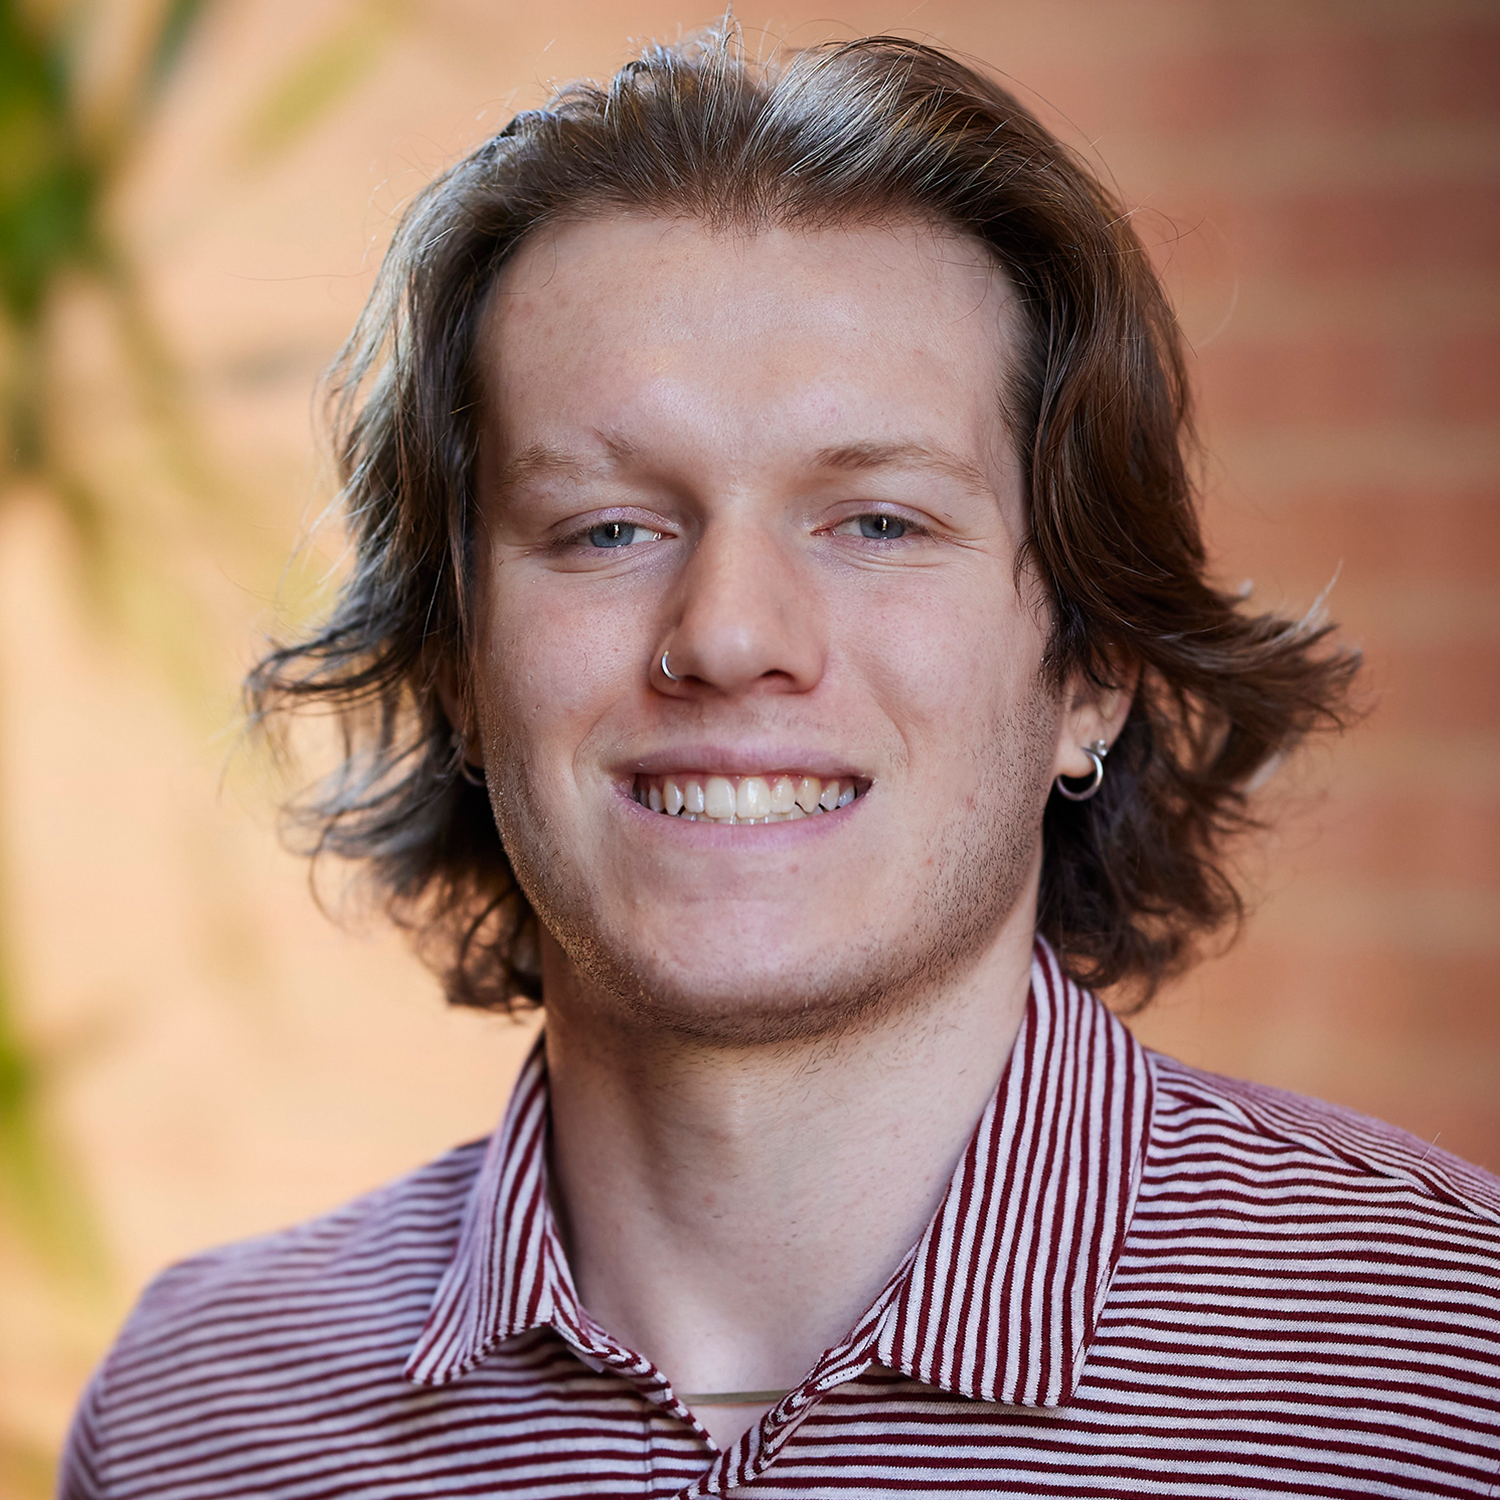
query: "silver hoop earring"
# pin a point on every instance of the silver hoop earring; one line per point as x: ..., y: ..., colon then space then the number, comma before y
x: 465, y: 766
x: 1096, y: 753
x: 666, y: 671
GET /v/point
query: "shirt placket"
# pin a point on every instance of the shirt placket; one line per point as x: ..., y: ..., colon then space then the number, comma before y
x: 736, y: 1468
x: 740, y: 1466
x: 663, y: 1415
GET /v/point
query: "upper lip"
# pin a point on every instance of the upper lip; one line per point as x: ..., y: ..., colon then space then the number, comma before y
x: 747, y: 759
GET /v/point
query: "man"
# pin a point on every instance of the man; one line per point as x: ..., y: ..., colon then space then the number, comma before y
x: 778, y: 642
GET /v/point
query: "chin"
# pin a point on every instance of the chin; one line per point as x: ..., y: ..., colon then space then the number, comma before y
x: 725, y: 973
x: 757, y: 996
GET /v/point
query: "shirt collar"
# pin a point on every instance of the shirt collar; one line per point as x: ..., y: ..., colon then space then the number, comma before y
x: 998, y: 1299
x: 1005, y: 1287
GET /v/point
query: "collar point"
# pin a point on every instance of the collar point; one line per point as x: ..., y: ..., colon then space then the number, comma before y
x: 428, y: 1370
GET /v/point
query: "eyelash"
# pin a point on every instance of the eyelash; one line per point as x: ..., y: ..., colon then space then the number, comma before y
x: 582, y: 539
x: 908, y: 529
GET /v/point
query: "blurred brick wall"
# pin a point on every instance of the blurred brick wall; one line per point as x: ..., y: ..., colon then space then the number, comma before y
x: 1348, y: 165
x: 1319, y: 183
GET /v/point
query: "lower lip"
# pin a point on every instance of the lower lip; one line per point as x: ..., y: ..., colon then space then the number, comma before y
x: 704, y: 833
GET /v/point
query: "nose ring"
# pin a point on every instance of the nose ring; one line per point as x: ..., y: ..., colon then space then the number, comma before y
x: 666, y: 671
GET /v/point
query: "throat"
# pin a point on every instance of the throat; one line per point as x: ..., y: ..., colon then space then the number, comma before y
x: 730, y: 1214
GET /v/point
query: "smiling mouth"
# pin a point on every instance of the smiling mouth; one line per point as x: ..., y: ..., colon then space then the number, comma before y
x: 781, y: 798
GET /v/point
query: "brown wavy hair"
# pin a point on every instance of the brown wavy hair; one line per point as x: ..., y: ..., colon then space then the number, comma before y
x: 876, y: 130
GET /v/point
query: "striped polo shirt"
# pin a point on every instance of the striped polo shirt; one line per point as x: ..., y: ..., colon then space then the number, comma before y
x: 1143, y: 1280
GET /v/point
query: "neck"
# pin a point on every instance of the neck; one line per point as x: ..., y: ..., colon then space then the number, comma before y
x: 730, y: 1212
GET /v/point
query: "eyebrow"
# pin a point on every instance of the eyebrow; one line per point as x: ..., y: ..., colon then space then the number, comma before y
x: 541, y: 461
x: 857, y: 457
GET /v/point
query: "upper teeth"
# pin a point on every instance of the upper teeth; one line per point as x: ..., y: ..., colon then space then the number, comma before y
x: 743, y: 799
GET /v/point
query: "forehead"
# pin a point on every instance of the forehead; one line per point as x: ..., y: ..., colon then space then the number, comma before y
x: 643, y: 330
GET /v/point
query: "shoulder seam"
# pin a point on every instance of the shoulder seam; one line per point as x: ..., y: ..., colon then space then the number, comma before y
x: 1223, y: 1094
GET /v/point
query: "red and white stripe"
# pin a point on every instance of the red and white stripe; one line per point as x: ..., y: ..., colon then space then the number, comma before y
x: 1143, y: 1280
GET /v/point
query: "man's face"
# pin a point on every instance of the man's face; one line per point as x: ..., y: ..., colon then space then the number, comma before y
x: 780, y: 458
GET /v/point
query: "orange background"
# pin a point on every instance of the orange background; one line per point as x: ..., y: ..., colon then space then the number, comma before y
x: 1319, y: 183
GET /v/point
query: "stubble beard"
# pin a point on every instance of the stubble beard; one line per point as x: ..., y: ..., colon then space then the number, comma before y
x: 987, y: 865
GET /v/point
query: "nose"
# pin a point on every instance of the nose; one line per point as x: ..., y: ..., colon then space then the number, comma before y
x: 743, y: 618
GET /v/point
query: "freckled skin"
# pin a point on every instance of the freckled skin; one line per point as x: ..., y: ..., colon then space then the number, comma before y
x: 692, y: 381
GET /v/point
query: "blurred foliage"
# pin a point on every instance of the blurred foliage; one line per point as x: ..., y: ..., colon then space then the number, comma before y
x: 59, y: 161
x: 67, y: 140
x: 57, y: 166
x: 320, y: 79
x: 70, y: 133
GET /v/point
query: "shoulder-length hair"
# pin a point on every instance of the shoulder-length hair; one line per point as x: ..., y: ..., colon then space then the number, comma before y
x: 1097, y: 403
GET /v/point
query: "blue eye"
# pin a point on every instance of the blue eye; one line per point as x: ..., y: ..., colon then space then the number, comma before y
x: 881, y: 528
x: 614, y: 534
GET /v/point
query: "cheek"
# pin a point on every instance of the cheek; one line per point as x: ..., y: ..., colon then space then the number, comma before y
x: 949, y: 667
x: 549, y: 670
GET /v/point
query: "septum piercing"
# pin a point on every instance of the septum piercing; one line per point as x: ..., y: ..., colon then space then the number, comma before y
x: 666, y: 671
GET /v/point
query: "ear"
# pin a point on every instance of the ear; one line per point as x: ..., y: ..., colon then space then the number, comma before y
x: 1090, y: 714
x: 457, y: 704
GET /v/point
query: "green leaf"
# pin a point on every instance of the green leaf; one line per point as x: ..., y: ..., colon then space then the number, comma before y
x: 37, y: 1188
x: 49, y: 189
x: 332, y: 70
x: 176, y: 25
